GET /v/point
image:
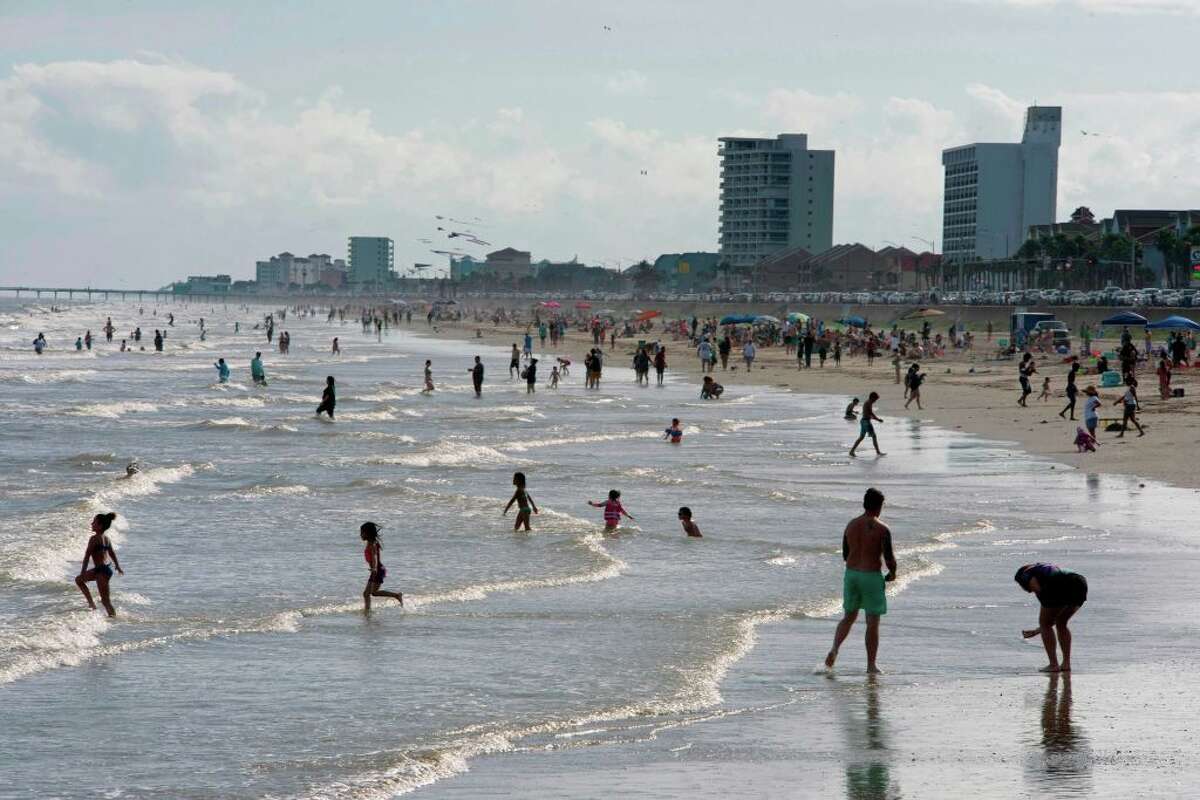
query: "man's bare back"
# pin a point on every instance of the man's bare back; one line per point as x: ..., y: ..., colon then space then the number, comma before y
x: 867, y: 544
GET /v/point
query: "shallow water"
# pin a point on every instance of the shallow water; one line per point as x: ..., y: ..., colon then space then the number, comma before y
x: 241, y: 664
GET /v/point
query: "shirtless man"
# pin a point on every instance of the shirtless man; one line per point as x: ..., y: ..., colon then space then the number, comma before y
x: 865, y: 428
x: 866, y: 543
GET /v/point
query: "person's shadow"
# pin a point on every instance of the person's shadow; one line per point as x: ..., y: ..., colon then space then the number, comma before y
x: 1063, y: 760
x: 868, y: 774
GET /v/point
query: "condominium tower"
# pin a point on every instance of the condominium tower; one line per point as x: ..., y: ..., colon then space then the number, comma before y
x: 994, y: 192
x: 371, y: 260
x: 776, y: 194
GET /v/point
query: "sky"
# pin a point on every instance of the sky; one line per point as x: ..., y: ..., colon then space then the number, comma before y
x: 141, y: 142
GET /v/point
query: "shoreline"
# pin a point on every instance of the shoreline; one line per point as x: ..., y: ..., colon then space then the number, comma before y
x: 982, y: 403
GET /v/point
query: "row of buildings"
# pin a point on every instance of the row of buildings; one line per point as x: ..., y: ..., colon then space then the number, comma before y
x: 369, y: 265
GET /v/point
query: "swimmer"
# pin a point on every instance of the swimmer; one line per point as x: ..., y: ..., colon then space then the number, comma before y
x: 373, y: 553
x: 222, y: 371
x: 689, y: 527
x: 674, y: 433
x: 131, y: 469
x: 428, y: 377
x: 866, y: 546
x: 1061, y: 594
x: 328, y: 399
x: 98, y: 550
x: 851, y: 410
x: 865, y: 428
x: 337, y: 349
x: 612, y: 510
x: 524, y: 502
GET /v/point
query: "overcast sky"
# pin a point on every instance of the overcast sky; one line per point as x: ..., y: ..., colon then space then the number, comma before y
x: 172, y: 138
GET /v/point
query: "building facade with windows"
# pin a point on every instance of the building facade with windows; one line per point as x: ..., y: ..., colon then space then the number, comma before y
x: 775, y: 195
x: 371, y: 259
x: 994, y: 193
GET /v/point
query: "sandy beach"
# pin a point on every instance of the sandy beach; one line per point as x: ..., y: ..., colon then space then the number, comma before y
x: 970, y: 391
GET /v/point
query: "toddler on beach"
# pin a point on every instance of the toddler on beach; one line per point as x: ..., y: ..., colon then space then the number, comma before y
x: 1045, y: 395
x: 612, y: 510
x: 1084, y: 441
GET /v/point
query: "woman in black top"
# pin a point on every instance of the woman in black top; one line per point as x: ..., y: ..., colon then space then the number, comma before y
x: 1061, y: 593
x: 1026, y: 370
x: 328, y: 399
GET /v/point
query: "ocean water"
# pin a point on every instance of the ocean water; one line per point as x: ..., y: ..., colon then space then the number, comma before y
x: 241, y: 665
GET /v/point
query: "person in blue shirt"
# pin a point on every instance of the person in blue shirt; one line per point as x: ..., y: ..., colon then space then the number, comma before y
x: 528, y: 345
x: 222, y: 370
x: 256, y: 370
x: 675, y: 432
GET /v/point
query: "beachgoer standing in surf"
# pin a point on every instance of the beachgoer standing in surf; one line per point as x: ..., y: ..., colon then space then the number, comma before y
x: 523, y: 500
x: 328, y: 398
x: 866, y: 546
x: 477, y: 376
x: 612, y: 510
x: 98, y: 550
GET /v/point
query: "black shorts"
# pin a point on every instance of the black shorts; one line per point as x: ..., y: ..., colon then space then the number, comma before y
x: 378, y: 575
x: 1065, y: 591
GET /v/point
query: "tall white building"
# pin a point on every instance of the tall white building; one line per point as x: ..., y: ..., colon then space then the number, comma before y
x: 776, y: 194
x: 994, y: 192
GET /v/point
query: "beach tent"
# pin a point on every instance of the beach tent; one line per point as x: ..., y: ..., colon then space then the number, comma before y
x: 853, y: 321
x: 1125, y: 318
x: 797, y: 316
x: 737, y: 319
x: 1174, y: 323
x: 766, y: 319
x: 922, y: 313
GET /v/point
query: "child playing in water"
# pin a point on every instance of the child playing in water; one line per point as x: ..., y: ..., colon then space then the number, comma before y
x: 689, y: 527
x: 554, y: 378
x: 1045, y: 395
x: 852, y: 410
x: 523, y: 500
x: 612, y: 510
x: 373, y: 553
x: 428, y: 376
x: 675, y: 432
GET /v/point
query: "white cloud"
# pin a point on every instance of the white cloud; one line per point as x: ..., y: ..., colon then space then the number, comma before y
x: 1108, y: 6
x: 627, y: 82
x: 801, y: 111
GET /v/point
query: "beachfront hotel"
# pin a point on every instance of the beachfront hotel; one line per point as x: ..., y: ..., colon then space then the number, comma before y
x: 995, y: 192
x: 775, y: 194
x: 371, y: 259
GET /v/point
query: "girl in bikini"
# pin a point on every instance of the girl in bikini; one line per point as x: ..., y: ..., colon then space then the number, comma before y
x: 98, y: 551
x: 523, y: 500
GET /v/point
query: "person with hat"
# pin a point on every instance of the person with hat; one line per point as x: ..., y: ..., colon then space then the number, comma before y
x: 373, y: 553
x: 1091, y: 409
x: 1061, y: 594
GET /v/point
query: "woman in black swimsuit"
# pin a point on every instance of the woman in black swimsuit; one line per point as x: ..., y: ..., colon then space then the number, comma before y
x: 99, y: 548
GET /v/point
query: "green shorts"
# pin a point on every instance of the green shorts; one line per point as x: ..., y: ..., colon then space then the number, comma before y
x: 865, y: 591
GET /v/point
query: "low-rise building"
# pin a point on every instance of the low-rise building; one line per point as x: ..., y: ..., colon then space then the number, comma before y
x: 784, y: 271
x: 509, y: 264
x: 204, y: 284
x: 850, y: 267
x: 687, y: 272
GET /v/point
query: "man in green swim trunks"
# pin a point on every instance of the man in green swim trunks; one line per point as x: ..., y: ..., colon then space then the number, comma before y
x: 866, y: 546
x: 865, y: 428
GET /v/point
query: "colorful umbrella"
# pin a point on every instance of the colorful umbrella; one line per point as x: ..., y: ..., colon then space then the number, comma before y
x: 582, y: 305
x: 551, y: 304
x: 646, y: 315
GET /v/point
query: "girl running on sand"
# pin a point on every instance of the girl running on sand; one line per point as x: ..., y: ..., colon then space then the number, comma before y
x: 612, y: 510
x: 98, y: 550
x: 373, y: 553
x: 523, y: 500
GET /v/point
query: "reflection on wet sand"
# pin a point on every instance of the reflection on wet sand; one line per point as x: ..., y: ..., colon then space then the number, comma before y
x: 868, y: 775
x: 1062, y: 763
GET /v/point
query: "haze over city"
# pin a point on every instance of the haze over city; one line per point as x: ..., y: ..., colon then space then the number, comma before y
x: 141, y: 145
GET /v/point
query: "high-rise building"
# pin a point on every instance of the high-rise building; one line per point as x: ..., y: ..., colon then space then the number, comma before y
x: 776, y: 194
x: 995, y: 192
x: 371, y: 260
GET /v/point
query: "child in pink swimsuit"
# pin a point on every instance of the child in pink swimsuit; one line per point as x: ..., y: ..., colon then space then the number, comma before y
x: 612, y: 510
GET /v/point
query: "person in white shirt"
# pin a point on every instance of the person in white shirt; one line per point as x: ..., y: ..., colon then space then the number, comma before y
x: 748, y: 354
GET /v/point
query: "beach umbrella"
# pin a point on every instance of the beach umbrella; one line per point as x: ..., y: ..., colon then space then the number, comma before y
x: 1125, y: 318
x: 1174, y: 323
x: 766, y: 319
x: 737, y: 319
x: 922, y: 313
x: 551, y: 304
x: 853, y: 321
x: 797, y: 316
x: 582, y: 305
x: 647, y: 315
